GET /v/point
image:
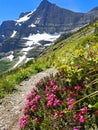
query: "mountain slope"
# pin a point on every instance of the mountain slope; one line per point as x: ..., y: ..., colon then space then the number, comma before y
x: 63, y: 50
x: 25, y: 38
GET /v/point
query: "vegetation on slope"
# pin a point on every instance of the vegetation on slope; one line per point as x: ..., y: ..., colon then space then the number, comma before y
x: 10, y: 79
x: 68, y: 100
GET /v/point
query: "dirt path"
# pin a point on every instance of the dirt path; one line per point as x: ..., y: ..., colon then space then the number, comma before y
x: 11, y: 105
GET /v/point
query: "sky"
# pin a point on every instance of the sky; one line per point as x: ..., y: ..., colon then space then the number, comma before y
x: 11, y: 9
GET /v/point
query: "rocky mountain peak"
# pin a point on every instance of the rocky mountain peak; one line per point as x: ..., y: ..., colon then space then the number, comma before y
x: 44, y: 4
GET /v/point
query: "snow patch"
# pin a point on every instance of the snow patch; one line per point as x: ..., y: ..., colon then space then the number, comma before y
x: 32, y: 25
x: 10, y: 57
x: 3, y: 36
x: 27, y: 49
x: 25, y: 18
x: 21, y: 58
x: 28, y: 59
x: 13, y: 34
x: 31, y: 42
x: 17, y: 24
x: 35, y: 38
x: 47, y: 44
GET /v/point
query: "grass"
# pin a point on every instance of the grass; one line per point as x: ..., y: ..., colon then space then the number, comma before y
x: 10, y: 79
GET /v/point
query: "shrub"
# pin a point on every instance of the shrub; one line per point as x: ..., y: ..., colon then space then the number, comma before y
x: 38, y: 68
x: 6, y: 87
x: 57, y: 104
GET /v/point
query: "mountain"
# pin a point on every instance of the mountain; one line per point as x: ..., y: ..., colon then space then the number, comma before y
x: 25, y: 38
x: 80, y: 47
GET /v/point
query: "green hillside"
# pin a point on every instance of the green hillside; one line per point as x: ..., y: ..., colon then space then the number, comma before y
x: 68, y: 100
x: 65, y: 51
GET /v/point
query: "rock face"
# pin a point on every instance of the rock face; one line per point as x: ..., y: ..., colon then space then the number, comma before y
x: 48, y: 19
x: 51, y: 18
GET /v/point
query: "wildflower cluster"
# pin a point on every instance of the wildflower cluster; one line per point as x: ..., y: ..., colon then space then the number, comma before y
x: 68, y: 100
x: 58, y: 104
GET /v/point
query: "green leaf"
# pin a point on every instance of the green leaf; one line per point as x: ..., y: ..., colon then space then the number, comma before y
x: 95, y: 106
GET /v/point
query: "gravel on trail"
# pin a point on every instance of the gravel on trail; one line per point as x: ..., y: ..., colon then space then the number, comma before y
x: 12, y: 105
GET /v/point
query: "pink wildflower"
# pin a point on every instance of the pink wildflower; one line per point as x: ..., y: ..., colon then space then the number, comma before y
x: 57, y: 102
x: 64, y: 88
x: 77, y: 87
x: 52, y: 82
x: 59, y: 114
x: 82, y: 119
x: 40, y: 81
x: 38, y: 97
x: 84, y: 110
x: 47, y: 89
x: 55, y: 88
x: 33, y: 108
x: 50, y: 103
x: 73, y: 93
x: 76, y: 128
x: 70, y: 101
x: 24, y: 111
x: 27, y: 104
x: 70, y: 107
x: 23, y: 121
x: 47, y: 94
x: 33, y: 102
x: 64, y: 78
x: 27, y: 117
x: 30, y: 96
x: 77, y: 116
x: 51, y: 96
x: 36, y: 120
x: 96, y: 112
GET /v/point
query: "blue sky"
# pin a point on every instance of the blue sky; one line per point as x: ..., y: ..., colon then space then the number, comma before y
x: 11, y: 9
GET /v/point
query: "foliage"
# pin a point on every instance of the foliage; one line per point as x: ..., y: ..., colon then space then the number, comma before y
x: 63, y: 101
x: 67, y: 100
x: 10, y: 79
